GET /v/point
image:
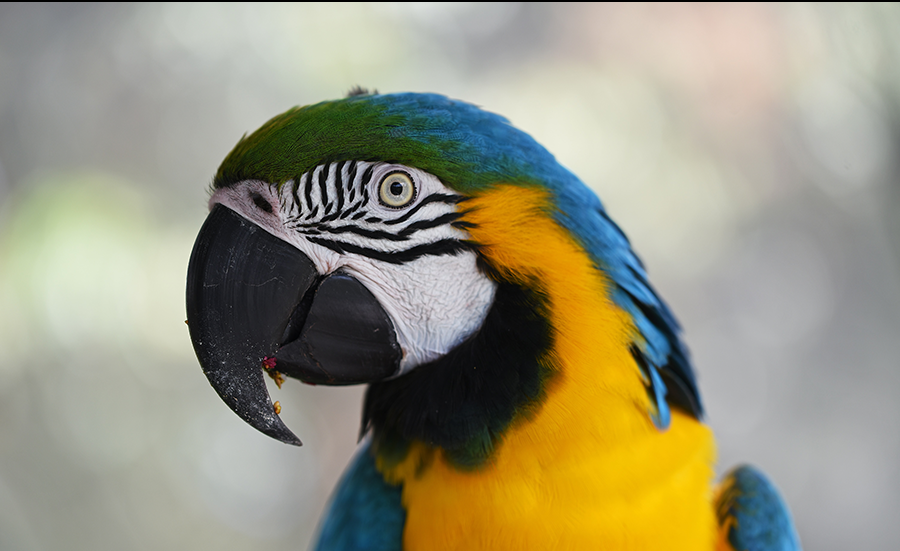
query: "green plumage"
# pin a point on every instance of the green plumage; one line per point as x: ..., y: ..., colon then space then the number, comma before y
x: 465, y: 147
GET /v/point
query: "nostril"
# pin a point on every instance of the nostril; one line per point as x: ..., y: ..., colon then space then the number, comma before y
x: 261, y: 202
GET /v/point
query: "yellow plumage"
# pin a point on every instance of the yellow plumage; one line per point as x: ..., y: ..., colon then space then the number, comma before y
x: 587, y: 469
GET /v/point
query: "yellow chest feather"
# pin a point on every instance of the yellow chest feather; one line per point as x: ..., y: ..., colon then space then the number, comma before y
x: 587, y: 469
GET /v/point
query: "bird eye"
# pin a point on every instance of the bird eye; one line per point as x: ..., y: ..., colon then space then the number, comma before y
x: 396, y: 190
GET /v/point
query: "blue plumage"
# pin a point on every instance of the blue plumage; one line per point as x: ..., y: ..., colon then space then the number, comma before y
x: 365, y: 513
x: 760, y: 520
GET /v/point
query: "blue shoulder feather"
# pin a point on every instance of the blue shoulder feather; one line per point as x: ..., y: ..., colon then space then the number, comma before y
x: 365, y: 513
x: 757, y: 517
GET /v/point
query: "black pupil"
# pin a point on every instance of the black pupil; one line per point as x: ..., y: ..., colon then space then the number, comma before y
x: 396, y: 189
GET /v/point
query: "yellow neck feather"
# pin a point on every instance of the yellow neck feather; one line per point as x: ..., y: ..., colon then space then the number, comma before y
x: 588, y: 469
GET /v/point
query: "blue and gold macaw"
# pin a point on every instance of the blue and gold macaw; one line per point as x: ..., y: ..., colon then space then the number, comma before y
x: 527, y: 387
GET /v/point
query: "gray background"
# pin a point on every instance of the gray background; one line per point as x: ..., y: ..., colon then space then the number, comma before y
x: 749, y: 151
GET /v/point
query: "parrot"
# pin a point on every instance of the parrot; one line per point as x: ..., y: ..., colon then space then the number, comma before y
x: 527, y: 386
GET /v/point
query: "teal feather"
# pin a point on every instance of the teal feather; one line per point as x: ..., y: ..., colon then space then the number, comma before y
x: 761, y: 519
x: 365, y: 512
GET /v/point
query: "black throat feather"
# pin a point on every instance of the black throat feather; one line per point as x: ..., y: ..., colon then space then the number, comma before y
x: 464, y: 401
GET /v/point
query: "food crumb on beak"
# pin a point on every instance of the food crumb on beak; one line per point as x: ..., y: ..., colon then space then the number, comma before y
x: 277, y: 408
x: 268, y: 365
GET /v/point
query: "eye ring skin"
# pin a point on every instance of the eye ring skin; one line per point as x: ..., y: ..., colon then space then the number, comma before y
x: 386, y: 194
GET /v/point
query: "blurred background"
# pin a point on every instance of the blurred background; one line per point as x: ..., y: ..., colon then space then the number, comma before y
x: 749, y: 151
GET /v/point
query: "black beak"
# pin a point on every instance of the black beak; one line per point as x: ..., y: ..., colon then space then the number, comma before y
x: 253, y: 298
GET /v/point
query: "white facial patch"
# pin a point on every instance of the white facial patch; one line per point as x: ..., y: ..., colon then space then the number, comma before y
x: 435, y: 302
x: 343, y: 216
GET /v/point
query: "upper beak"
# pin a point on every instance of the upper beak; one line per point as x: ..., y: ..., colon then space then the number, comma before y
x: 253, y: 297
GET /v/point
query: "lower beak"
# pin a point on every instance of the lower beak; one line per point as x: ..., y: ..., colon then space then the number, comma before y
x: 254, y: 302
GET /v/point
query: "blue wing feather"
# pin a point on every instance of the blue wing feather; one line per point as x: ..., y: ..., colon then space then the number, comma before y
x: 365, y: 513
x: 751, y: 509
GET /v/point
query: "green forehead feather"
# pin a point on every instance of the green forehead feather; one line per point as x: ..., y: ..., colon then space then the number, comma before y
x: 465, y: 147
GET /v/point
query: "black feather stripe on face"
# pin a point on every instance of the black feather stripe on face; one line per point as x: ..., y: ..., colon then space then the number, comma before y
x: 465, y: 400
x: 345, y: 227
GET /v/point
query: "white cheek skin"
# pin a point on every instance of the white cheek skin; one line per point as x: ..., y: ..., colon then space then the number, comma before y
x: 435, y: 302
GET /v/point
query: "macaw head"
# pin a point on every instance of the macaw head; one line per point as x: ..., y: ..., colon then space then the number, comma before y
x: 409, y: 241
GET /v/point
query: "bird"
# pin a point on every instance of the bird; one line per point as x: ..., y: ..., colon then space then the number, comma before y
x: 527, y: 386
